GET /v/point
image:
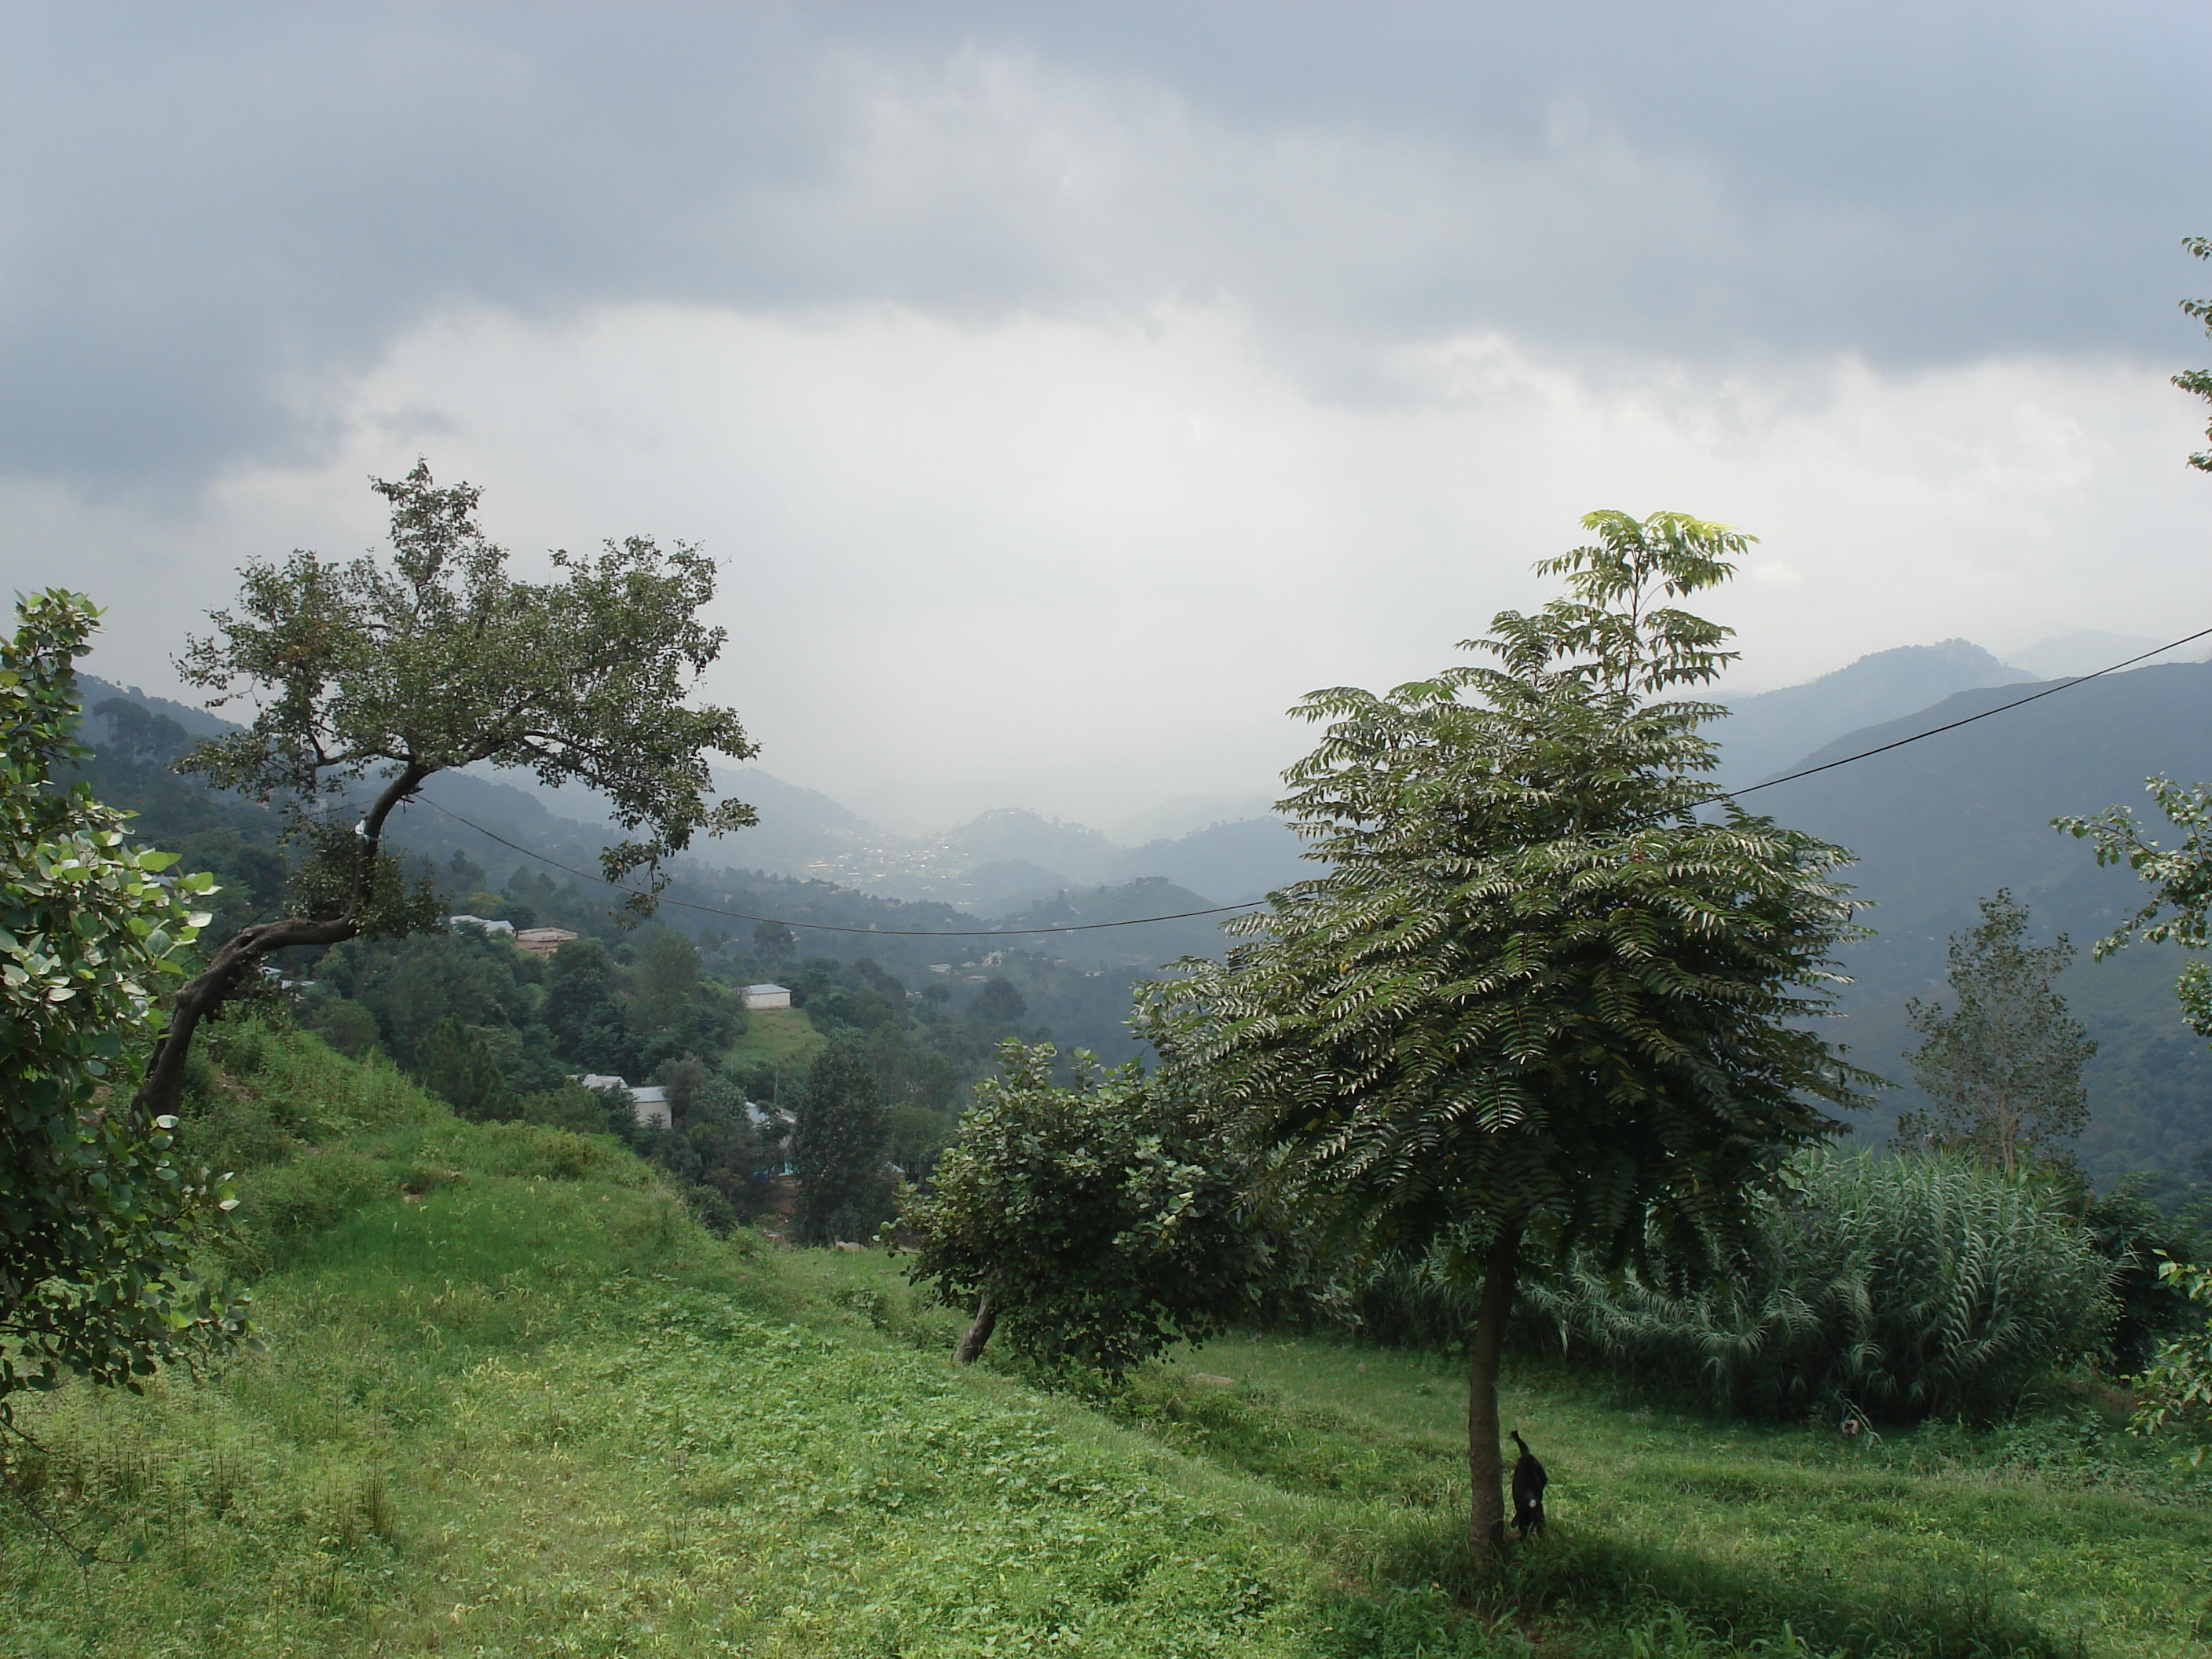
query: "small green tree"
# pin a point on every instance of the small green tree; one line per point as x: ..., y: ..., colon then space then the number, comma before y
x: 97, y: 1220
x: 374, y: 677
x: 663, y: 982
x: 459, y: 1063
x: 1536, y: 1003
x: 1096, y: 1225
x: 837, y: 1149
x: 2004, y: 1064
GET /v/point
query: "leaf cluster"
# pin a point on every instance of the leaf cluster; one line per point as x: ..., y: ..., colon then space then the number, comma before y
x: 2179, y: 909
x: 1534, y: 990
x: 97, y: 1217
x: 2198, y: 381
x: 2175, y: 1389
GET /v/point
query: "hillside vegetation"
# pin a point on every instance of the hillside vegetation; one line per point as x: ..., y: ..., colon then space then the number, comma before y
x: 514, y: 1400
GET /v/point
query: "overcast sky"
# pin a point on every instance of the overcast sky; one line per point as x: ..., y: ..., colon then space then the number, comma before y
x: 1066, y: 388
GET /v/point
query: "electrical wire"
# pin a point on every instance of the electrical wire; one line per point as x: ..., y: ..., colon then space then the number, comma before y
x: 1937, y: 731
x: 1225, y: 909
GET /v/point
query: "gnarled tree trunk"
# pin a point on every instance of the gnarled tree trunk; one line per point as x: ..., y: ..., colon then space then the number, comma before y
x: 978, y: 1334
x: 163, y: 1092
x: 1485, y: 1469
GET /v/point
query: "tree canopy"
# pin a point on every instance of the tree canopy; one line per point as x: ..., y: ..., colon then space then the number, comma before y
x: 97, y: 1219
x: 1095, y: 1224
x: 370, y: 675
x: 1536, y: 1003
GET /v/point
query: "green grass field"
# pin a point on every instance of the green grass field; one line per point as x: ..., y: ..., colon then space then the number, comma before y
x: 513, y: 1401
x: 781, y: 1037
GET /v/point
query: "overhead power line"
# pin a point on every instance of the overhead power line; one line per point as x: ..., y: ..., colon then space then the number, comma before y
x: 1225, y: 909
x: 1952, y: 726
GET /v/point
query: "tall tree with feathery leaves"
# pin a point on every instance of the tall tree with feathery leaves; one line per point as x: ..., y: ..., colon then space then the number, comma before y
x: 1536, y: 1005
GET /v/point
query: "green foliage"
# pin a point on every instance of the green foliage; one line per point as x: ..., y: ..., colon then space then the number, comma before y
x: 2175, y: 1389
x: 345, y: 1024
x: 459, y: 1063
x: 98, y: 1213
x: 1100, y: 1223
x: 441, y: 658
x: 2136, y: 1237
x: 2003, y: 1065
x: 2198, y: 381
x: 837, y: 1150
x: 2180, y: 877
x: 1534, y: 990
x: 1883, y: 1288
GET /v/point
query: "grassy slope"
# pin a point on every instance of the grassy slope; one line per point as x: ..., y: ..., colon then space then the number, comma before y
x: 514, y: 1402
x: 781, y: 1038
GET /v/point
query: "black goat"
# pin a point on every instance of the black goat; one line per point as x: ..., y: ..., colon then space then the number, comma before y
x: 1528, y: 1483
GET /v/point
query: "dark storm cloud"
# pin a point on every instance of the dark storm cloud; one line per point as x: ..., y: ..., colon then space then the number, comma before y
x: 209, y: 216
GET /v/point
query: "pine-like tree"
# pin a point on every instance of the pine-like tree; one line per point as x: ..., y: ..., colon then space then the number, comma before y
x: 2003, y: 1065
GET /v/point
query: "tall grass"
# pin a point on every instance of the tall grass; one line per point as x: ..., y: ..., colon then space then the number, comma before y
x: 1885, y: 1288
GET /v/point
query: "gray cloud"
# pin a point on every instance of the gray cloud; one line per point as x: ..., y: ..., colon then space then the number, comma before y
x: 215, y: 218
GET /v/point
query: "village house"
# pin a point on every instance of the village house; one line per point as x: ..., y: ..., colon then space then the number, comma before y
x: 542, y: 941
x: 649, y: 1101
x: 765, y: 996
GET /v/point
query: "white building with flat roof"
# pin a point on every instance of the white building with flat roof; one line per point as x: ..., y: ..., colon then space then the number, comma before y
x: 765, y: 996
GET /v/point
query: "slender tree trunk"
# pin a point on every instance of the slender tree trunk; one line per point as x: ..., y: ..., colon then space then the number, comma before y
x: 1485, y: 1469
x: 987, y: 1317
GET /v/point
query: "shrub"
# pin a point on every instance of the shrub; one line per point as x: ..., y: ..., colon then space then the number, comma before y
x: 312, y: 1194
x: 1896, y: 1288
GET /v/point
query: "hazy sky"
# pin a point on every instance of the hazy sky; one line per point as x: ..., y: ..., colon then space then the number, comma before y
x: 1067, y: 388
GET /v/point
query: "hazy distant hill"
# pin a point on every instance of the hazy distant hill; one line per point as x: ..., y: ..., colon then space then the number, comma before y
x: 199, y: 722
x: 2071, y: 655
x: 1765, y: 734
x: 1000, y: 859
x: 1232, y: 862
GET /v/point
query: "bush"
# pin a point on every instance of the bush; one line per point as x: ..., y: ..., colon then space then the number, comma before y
x: 311, y: 1195
x: 1894, y: 1288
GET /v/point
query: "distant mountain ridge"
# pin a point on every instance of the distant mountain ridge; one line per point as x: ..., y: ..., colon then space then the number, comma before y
x: 1765, y: 734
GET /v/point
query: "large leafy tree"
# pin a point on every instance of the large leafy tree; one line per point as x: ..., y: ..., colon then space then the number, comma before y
x: 1536, y: 1005
x: 97, y: 1218
x: 370, y: 675
x: 1096, y: 1224
x: 2002, y: 1065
